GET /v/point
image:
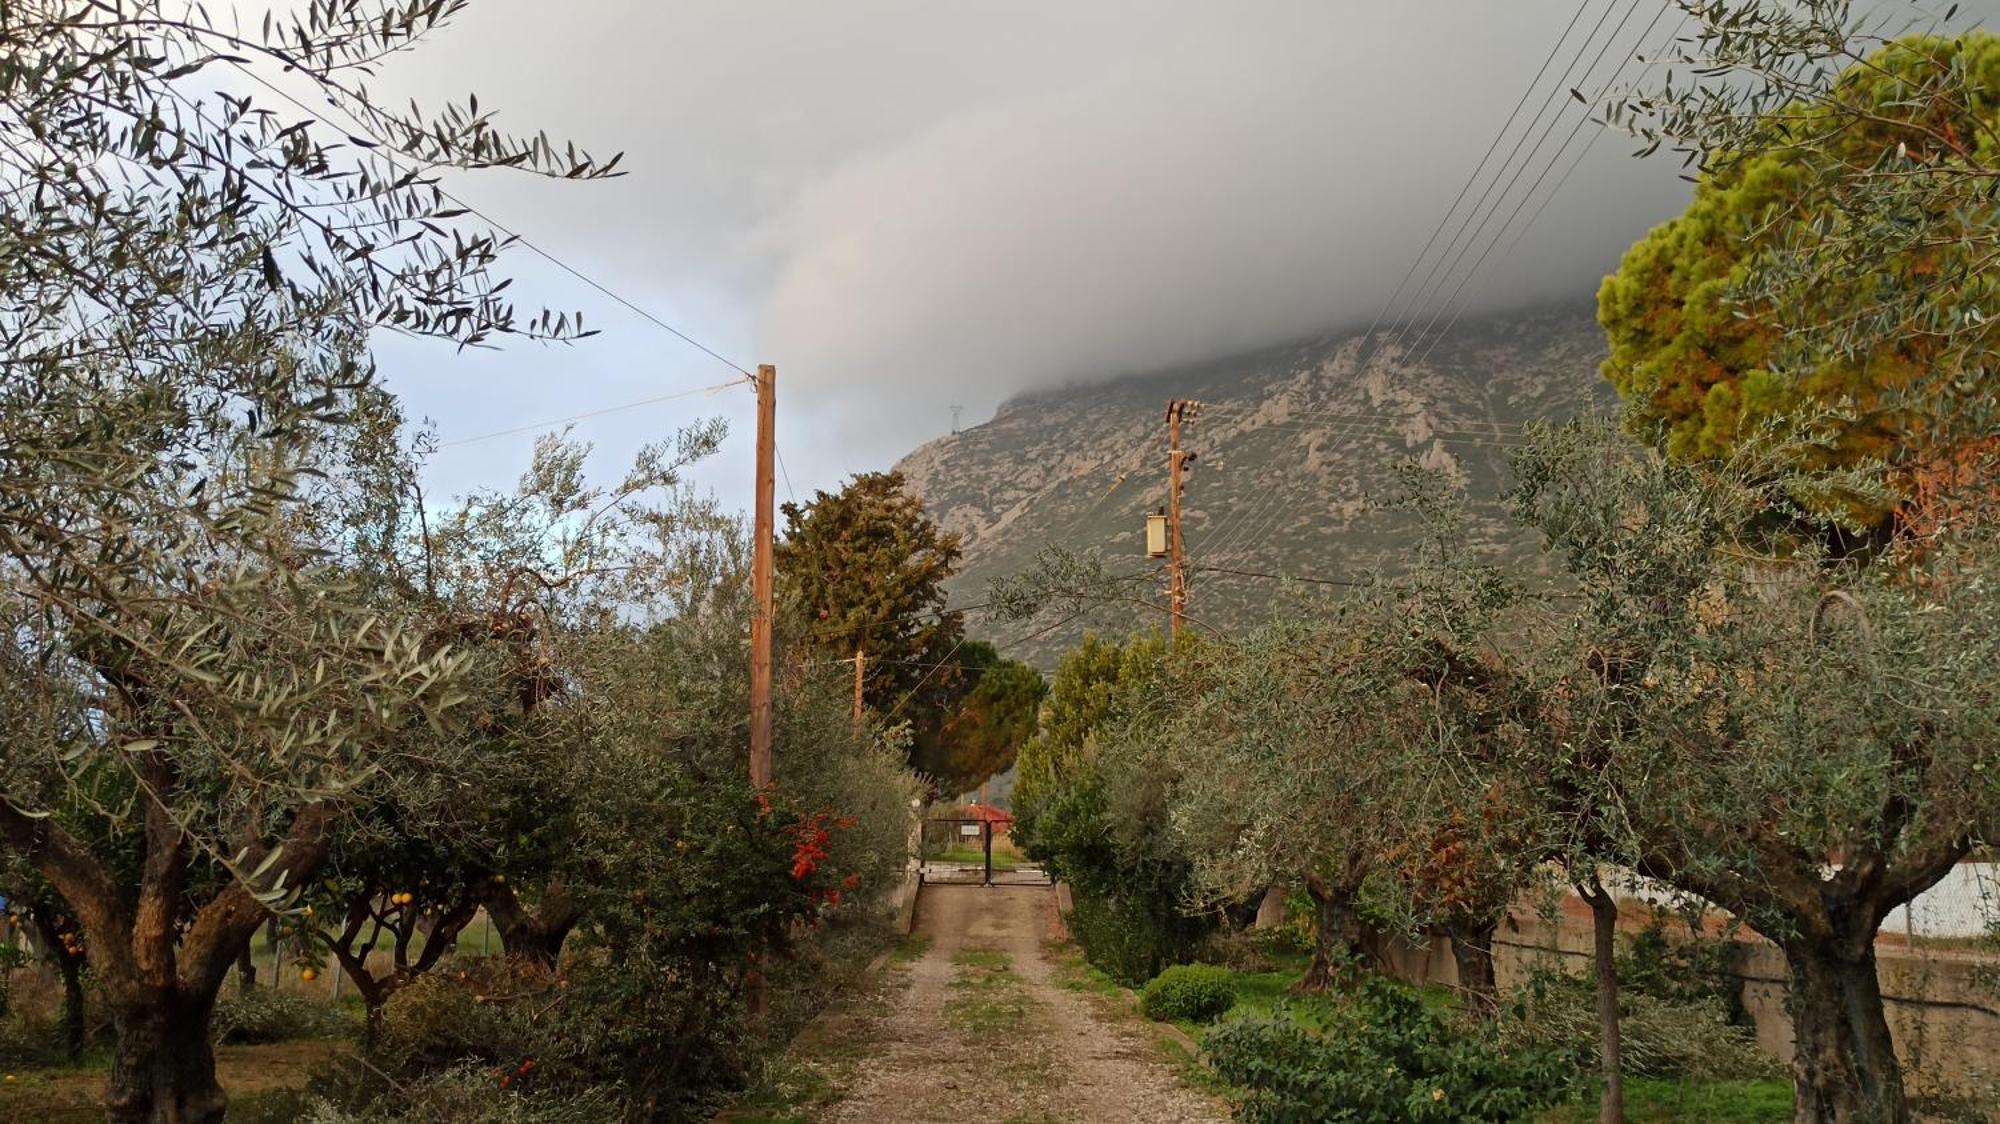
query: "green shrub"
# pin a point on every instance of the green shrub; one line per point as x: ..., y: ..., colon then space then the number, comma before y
x: 1683, y: 970
x: 1106, y: 835
x: 1132, y: 939
x: 1690, y: 1037
x: 1382, y: 1057
x: 264, y: 1014
x: 1195, y: 993
x: 664, y: 1041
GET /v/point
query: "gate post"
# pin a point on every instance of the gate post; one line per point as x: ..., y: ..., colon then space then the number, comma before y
x: 986, y: 833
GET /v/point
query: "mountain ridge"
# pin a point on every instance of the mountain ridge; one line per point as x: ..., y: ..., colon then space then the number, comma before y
x: 1297, y: 450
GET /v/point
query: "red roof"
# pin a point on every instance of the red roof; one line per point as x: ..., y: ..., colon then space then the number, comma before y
x: 988, y: 814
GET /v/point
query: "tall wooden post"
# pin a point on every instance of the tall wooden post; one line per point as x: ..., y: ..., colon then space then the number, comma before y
x: 762, y: 576
x: 1178, y: 410
x: 860, y: 670
x: 763, y: 608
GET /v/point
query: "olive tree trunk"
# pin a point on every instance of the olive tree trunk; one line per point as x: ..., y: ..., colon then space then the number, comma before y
x: 1604, y: 957
x: 162, y: 1066
x: 1844, y: 1068
x: 1472, y: 952
x: 1330, y: 913
x: 536, y: 935
x: 75, y: 1016
x: 161, y: 957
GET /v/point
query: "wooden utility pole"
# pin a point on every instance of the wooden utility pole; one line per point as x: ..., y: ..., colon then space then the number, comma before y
x: 763, y: 608
x: 1178, y: 410
x: 860, y: 669
x: 762, y: 564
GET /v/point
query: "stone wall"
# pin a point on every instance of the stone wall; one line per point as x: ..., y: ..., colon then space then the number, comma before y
x: 1943, y: 1004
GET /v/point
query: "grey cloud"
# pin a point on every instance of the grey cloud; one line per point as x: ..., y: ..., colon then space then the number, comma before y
x: 907, y: 205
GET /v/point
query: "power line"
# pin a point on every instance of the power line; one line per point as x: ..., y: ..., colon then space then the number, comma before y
x: 1241, y: 531
x: 1363, y: 426
x: 1465, y: 188
x: 1561, y: 182
x: 1234, y: 532
x: 911, y: 693
x: 1117, y: 452
x: 1366, y: 583
x: 1356, y: 428
x: 588, y: 414
x: 784, y: 472
x: 1400, y: 331
x: 1297, y: 416
x: 516, y: 236
x: 890, y: 622
x: 1273, y: 508
x: 1355, y: 583
x: 1533, y: 154
x: 1233, y: 527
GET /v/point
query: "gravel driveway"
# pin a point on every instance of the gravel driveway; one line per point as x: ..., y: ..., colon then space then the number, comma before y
x: 982, y: 1031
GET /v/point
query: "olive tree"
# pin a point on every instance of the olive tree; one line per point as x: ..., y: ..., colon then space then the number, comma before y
x: 1361, y: 748
x: 1803, y: 741
x: 1297, y: 771
x: 192, y: 268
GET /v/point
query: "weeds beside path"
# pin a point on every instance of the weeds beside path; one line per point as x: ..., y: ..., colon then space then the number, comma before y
x: 976, y: 1025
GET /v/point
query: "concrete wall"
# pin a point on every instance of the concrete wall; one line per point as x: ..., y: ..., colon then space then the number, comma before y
x: 1943, y: 1005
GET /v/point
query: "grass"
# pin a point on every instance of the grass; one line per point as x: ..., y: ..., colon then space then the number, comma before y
x: 1076, y: 973
x: 793, y: 1089
x: 1655, y: 1101
x: 262, y: 1082
x: 910, y: 948
x: 986, y: 994
x: 975, y: 857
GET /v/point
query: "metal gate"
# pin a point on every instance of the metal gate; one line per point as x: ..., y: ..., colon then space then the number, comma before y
x: 961, y: 851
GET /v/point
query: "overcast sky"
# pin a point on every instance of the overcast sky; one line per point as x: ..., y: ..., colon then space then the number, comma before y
x: 911, y: 205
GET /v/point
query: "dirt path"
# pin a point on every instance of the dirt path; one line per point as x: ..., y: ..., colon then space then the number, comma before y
x: 982, y: 1030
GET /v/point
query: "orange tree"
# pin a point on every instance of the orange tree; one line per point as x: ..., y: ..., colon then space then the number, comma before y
x: 34, y: 906
x: 603, y: 817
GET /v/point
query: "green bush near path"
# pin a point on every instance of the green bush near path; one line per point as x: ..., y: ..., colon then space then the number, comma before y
x: 1270, y: 1053
x: 1384, y: 1057
x: 1188, y: 993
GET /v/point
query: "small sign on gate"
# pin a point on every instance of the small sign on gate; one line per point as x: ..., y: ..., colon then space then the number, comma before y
x: 968, y: 829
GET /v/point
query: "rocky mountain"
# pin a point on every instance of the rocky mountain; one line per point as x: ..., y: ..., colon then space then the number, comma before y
x: 1297, y: 453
